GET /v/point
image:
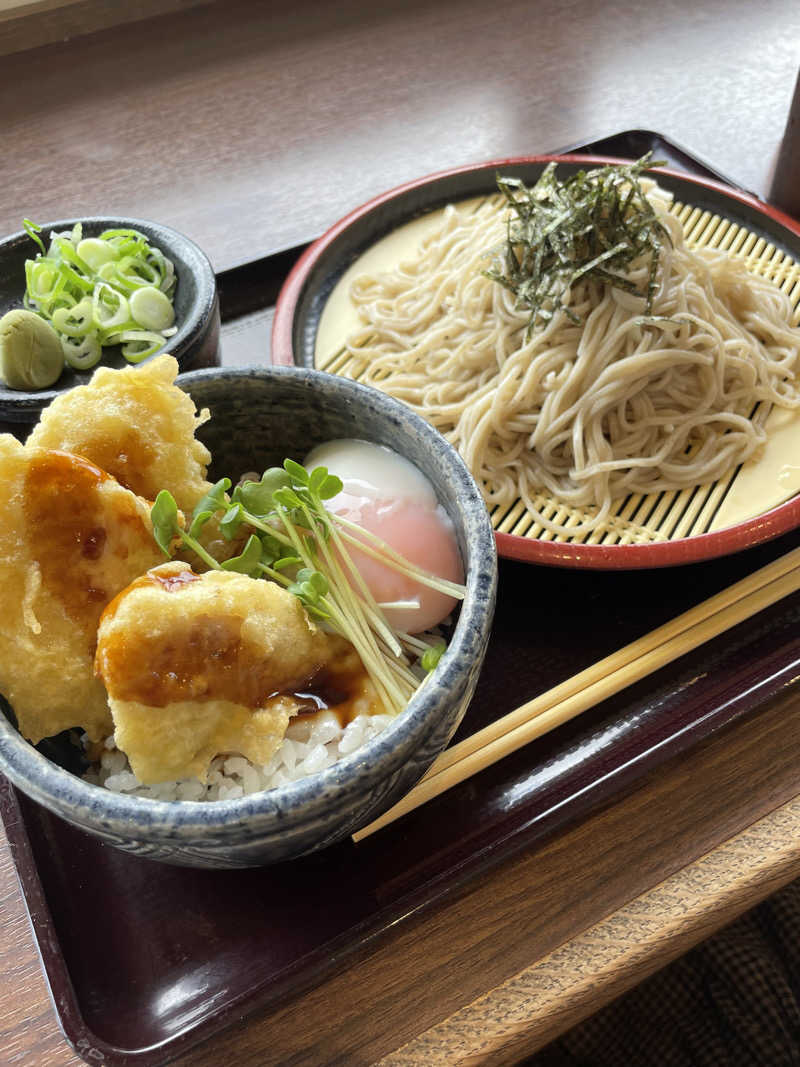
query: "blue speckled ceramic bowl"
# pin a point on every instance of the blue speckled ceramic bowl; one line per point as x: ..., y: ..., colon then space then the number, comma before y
x: 260, y: 416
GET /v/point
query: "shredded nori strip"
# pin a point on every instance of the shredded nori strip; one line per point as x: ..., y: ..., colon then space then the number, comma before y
x: 591, y: 225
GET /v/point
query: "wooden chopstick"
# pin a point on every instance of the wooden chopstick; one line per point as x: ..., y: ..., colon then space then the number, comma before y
x: 603, y: 679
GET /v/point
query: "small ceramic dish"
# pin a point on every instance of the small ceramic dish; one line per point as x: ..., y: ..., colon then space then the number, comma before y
x: 194, y: 345
x: 259, y: 417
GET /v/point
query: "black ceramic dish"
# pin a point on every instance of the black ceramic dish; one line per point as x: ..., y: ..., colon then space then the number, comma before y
x: 195, y: 345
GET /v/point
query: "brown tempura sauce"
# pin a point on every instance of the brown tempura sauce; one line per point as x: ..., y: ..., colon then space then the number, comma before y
x: 338, y: 687
x: 66, y: 516
x: 208, y: 661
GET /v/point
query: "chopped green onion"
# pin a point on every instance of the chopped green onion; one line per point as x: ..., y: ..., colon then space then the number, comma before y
x: 110, y: 309
x: 81, y: 354
x: 64, y: 247
x: 115, y: 289
x: 95, y: 252
x: 152, y: 308
x: 133, y: 272
x: 41, y: 278
x: 33, y: 232
x: 75, y: 321
x: 138, y: 344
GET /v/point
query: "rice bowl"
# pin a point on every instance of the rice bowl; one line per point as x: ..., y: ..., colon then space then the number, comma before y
x: 294, y: 409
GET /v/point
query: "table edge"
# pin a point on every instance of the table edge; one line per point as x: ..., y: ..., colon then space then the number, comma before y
x: 626, y: 947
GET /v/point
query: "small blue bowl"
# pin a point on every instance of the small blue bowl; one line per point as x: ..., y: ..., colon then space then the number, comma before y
x: 260, y: 416
x: 197, y: 318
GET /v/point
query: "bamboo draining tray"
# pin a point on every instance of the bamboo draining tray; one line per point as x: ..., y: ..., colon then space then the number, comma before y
x: 713, y: 219
x: 658, y: 516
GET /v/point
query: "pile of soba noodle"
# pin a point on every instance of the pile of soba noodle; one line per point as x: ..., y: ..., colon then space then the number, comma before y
x: 587, y: 413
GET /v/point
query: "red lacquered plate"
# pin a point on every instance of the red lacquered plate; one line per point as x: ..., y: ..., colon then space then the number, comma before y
x: 656, y: 531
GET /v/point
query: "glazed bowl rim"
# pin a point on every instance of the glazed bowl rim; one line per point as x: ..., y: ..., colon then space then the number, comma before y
x: 301, y: 800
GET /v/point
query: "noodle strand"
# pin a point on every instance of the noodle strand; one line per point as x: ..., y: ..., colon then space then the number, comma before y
x: 590, y: 413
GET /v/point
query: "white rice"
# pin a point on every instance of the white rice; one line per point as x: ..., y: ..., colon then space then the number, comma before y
x: 309, y: 746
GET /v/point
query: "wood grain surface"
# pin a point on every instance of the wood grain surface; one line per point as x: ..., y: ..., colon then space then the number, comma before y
x: 26, y: 24
x: 622, y: 950
x: 252, y: 128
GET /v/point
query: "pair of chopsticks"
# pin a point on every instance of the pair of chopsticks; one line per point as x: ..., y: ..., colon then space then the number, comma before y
x: 600, y: 681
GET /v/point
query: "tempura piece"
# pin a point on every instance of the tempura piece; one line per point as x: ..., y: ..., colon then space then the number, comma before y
x: 70, y: 539
x: 197, y: 665
x: 137, y: 425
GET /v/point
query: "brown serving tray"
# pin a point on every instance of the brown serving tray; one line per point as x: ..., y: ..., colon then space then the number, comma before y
x: 145, y: 960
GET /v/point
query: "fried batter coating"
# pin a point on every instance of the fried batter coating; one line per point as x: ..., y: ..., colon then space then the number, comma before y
x: 70, y: 539
x: 197, y: 665
x: 137, y: 425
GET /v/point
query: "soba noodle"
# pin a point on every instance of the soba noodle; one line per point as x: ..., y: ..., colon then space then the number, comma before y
x: 588, y: 413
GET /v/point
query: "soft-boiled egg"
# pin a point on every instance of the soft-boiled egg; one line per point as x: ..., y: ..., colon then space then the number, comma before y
x: 388, y: 496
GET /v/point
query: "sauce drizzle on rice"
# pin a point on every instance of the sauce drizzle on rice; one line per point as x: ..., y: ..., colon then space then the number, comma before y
x: 159, y: 673
x: 341, y: 687
x: 205, y: 659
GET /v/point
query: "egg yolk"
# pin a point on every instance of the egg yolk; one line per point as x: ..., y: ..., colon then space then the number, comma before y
x: 387, y: 496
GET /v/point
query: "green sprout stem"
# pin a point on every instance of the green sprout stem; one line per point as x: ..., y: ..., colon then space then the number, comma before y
x: 195, y: 546
x: 361, y: 607
x: 351, y: 575
x: 372, y: 545
x: 315, y: 564
x: 349, y: 616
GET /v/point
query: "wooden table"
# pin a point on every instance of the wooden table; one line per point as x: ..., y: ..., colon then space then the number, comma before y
x: 252, y: 130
